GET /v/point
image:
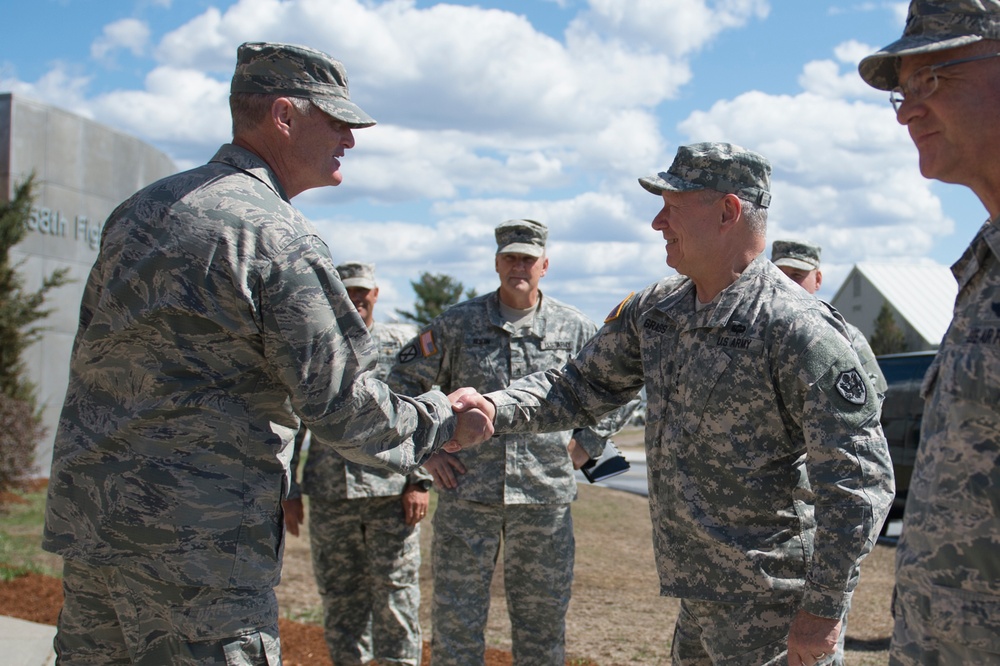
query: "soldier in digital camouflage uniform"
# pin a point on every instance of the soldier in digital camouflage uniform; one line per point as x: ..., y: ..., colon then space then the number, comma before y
x: 800, y: 262
x: 212, y: 320
x: 944, y: 78
x: 518, y: 489
x: 364, y: 529
x: 769, y: 475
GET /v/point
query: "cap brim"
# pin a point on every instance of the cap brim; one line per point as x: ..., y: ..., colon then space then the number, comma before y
x: 795, y: 263
x: 880, y: 70
x: 664, y: 181
x: 344, y: 110
x: 522, y: 248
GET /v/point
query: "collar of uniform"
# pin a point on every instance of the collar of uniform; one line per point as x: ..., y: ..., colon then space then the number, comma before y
x: 251, y: 164
x: 677, y: 308
x: 987, y: 240
x: 731, y: 296
x: 537, y: 323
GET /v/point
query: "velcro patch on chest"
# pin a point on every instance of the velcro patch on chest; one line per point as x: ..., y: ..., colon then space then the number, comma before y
x: 851, y: 387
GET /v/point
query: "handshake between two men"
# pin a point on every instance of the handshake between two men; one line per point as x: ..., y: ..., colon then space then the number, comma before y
x: 474, y: 414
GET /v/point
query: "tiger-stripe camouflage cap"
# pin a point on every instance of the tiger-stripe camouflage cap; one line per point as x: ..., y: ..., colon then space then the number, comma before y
x: 298, y: 71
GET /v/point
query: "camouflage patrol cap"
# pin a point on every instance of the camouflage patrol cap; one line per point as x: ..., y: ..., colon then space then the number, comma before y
x: 932, y: 25
x: 722, y: 167
x: 795, y: 254
x: 297, y: 71
x: 357, y: 274
x: 521, y: 237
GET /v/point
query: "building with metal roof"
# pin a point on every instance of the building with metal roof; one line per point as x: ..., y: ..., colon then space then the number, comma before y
x: 921, y: 296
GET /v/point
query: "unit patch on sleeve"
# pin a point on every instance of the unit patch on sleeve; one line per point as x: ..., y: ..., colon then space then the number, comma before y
x: 617, y: 310
x: 408, y: 353
x: 852, y: 388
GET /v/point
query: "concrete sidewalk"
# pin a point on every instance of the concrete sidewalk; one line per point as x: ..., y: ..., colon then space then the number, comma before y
x: 26, y: 643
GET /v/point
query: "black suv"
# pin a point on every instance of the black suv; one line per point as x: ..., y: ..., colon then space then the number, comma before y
x: 902, y: 411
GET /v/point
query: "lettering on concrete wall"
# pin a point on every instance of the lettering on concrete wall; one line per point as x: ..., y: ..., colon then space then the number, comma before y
x: 54, y: 223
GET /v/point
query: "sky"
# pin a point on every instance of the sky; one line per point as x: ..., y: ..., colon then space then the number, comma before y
x: 541, y: 109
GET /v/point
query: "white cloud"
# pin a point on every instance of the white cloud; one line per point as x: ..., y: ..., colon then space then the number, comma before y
x: 177, y: 106
x: 61, y: 86
x: 675, y: 27
x: 844, y: 172
x: 129, y: 34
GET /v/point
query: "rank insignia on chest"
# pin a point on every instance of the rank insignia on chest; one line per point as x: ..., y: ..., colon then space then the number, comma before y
x: 851, y: 387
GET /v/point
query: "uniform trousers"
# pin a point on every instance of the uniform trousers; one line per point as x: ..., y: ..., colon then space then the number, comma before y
x: 366, y: 560
x: 117, y: 615
x: 538, y: 553
x: 934, y: 627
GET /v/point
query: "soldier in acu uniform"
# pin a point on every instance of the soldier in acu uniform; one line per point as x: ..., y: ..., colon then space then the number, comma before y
x: 212, y: 321
x: 944, y: 81
x: 800, y: 262
x: 364, y: 529
x: 769, y: 475
x: 519, y: 490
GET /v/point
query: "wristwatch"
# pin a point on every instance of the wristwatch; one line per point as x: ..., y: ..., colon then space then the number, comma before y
x: 424, y: 484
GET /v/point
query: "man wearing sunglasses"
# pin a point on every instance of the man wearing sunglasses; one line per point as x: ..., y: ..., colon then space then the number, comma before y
x: 944, y: 81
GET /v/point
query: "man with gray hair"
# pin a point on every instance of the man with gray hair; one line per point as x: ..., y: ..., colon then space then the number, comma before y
x: 943, y: 78
x: 212, y: 322
x: 769, y: 475
x: 799, y: 261
x: 517, y: 491
x: 364, y: 523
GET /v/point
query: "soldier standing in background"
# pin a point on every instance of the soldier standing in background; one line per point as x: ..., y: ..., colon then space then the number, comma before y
x: 517, y: 492
x: 212, y: 321
x: 364, y: 531
x: 800, y: 262
x: 944, y: 81
x: 769, y: 475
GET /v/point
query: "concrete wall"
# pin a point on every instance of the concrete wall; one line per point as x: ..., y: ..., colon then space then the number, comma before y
x: 83, y: 170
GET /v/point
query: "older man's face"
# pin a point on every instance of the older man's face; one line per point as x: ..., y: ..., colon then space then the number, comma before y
x: 689, y: 222
x: 955, y: 129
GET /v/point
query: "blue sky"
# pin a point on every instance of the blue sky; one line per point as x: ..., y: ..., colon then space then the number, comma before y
x: 548, y: 109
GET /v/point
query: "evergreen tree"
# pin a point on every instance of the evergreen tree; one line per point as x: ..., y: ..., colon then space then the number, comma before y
x: 435, y: 294
x: 887, y: 338
x: 20, y: 310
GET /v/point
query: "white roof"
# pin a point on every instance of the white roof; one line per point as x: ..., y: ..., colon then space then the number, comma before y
x: 923, y: 293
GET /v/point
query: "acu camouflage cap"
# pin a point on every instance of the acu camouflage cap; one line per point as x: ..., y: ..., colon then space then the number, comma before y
x: 795, y: 254
x: 932, y: 25
x: 357, y: 274
x: 723, y: 167
x: 297, y: 71
x: 521, y: 237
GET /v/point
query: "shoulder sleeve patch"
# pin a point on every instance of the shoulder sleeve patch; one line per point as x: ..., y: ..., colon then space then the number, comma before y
x: 851, y: 387
x: 408, y: 353
x: 427, y: 346
x: 617, y: 310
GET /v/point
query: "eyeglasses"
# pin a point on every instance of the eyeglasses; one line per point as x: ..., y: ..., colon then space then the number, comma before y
x: 922, y: 83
